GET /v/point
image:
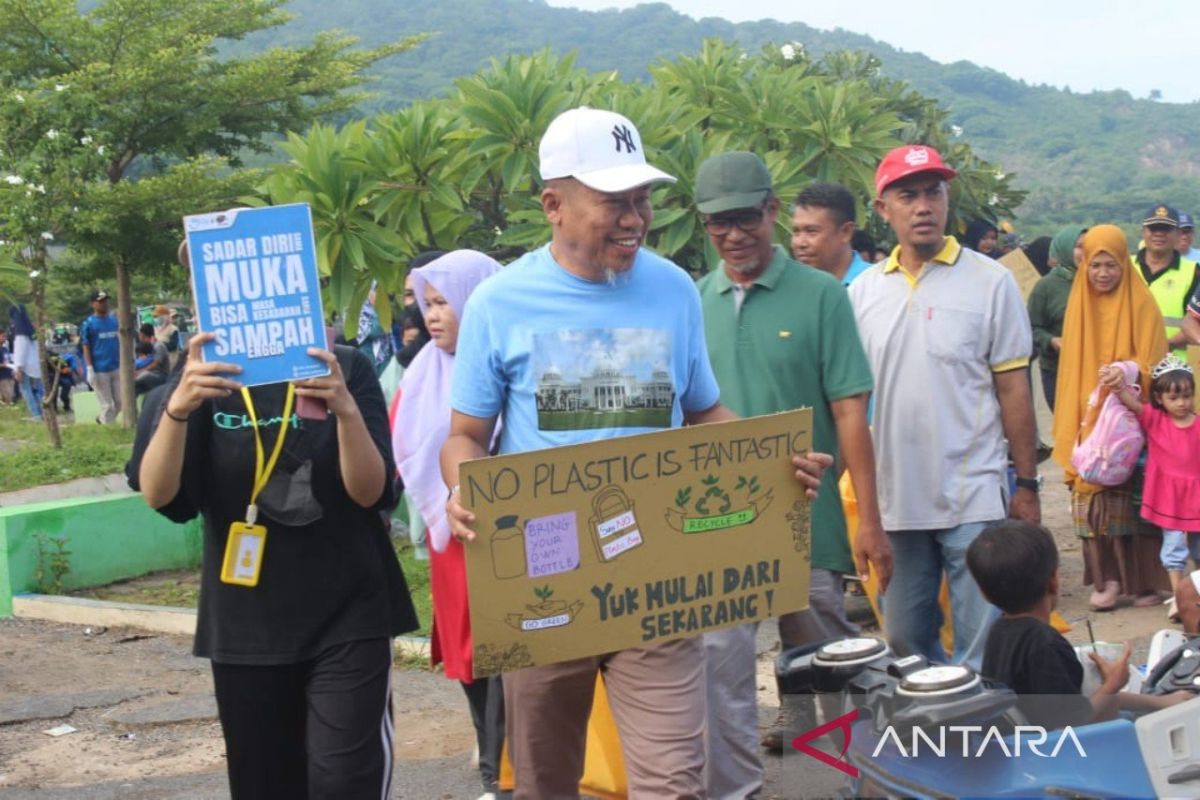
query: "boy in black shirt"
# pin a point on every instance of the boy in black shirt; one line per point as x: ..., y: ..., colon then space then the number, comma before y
x: 1015, y: 564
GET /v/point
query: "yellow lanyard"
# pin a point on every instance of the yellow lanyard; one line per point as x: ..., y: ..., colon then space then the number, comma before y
x: 261, y: 474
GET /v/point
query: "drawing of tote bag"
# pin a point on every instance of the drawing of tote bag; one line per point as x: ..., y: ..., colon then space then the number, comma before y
x: 613, y: 523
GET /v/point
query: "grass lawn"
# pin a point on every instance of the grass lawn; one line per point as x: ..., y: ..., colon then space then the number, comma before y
x: 417, y: 574
x: 181, y: 588
x: 27, y: 458
x: 587, y: 420
x: 91, y: 450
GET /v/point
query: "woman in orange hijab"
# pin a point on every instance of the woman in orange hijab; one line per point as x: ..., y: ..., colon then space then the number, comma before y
x: 1111, y: 316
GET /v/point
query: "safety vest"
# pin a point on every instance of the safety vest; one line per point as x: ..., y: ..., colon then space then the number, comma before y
x: 1171, y: 293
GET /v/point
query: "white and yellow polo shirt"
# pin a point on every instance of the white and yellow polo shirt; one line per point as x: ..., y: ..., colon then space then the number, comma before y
x: 934, y: 342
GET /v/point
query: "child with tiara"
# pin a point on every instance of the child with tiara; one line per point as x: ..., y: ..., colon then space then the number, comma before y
x: 1171, y: 496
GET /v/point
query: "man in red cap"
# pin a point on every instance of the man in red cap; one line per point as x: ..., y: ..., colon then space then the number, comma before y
x: 948, y: 340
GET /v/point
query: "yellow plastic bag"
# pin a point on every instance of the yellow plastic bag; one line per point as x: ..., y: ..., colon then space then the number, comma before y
x: 603, y: 765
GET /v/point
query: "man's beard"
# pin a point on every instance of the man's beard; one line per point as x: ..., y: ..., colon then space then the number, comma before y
x: 926, y: 252
x: 616, y: 278
x: 744, y: 269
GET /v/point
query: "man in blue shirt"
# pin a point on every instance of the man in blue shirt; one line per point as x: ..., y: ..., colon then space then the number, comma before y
x: 822, y: 230
x: 568, y: 328
x: 102, y: 354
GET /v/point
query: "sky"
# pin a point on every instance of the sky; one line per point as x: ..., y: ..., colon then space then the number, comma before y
x: 1084, y: 44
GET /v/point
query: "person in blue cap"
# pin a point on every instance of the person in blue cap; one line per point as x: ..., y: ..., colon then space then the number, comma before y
x: 99, y: 336
x: 1190, y: 327
x: 1187, y: 237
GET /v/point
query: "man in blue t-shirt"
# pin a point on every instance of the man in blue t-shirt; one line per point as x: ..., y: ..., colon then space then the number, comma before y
x: 102, y: 354
x: 823, y: 225
x: 589, y: 338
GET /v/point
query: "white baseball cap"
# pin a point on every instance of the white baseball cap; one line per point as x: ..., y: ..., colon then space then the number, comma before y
x: 600, y: 149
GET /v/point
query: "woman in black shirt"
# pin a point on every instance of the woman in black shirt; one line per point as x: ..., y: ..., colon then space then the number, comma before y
x: 301, y: 658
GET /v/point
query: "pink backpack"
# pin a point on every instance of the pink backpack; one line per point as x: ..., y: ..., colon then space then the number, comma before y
x: 1108, y: 455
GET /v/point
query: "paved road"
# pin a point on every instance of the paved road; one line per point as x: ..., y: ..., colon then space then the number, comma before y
x: 430, y: 779
x: 147, y: 729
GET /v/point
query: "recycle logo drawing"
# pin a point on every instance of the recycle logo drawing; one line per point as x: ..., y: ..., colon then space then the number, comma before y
x: 709, y: 507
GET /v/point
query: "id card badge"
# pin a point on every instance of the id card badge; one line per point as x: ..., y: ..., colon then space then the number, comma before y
x: 244, y: 554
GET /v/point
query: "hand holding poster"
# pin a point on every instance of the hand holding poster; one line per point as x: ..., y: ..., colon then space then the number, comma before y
x: 643, y: 539
x: 255, y: 282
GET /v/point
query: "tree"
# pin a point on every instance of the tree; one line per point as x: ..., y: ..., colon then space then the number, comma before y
x: 141, y: 84
x: 461, y: 171
x: 329, y: 172
x: 47, y: 168
x: 505, y: 109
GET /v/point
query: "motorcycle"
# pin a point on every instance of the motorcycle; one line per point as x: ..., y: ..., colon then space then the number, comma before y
x: 909, y: 728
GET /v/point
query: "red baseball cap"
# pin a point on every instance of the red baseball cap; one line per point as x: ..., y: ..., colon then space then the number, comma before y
x: 909, y: 160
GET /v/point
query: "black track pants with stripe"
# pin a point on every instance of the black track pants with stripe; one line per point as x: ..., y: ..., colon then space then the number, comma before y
x: 321, y: 729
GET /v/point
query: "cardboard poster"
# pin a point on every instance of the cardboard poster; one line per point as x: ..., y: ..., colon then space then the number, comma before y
x: 254, y: 279
x: 1022, y: 269
x: 637, y: 540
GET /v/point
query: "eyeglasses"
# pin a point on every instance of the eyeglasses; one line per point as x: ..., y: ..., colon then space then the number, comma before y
x: 1160, y: 228
x: 746, y: 219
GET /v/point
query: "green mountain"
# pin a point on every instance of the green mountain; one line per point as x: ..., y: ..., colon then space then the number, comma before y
x: 1096, y: 157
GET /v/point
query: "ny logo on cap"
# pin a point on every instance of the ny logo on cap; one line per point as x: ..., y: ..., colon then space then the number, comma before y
x: 916, y: 156
x: 623, y: 136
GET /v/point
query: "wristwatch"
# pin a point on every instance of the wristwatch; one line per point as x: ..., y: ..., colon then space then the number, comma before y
x: 1032, y: 484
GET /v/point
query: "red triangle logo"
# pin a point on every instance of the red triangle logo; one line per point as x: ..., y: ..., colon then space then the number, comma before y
x: 842, y: 723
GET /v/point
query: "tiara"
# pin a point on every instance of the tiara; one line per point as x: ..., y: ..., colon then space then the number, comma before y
x: 1171, y: 363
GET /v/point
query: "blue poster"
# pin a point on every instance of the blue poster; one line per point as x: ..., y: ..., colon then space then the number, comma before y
x: 254, y: 279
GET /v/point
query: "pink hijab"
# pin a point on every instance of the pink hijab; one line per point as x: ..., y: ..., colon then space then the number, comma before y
x: 423, y: 419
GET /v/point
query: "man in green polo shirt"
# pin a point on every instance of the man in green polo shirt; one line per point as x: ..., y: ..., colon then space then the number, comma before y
x: 781, y: 335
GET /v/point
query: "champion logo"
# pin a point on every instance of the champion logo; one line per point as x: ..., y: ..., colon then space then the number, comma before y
x: 916, y: 156
x: 624, y: 138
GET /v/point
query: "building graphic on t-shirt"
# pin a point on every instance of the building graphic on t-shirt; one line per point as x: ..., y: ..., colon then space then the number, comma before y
x: 603, y: 379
